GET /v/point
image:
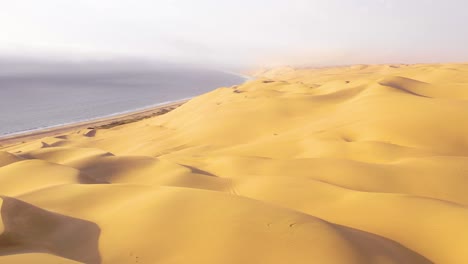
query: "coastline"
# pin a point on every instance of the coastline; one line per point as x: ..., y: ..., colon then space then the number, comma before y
x: 123, y: 117
x: 100, y: 122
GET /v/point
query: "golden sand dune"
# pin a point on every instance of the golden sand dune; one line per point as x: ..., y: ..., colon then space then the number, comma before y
x: 359, y: 164
x: 7, y: 158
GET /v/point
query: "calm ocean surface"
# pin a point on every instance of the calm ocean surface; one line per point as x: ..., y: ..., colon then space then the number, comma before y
x: 36, y: 95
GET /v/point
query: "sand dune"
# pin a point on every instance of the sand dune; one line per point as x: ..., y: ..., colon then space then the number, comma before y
x: 7, y: 158
x: 359, y: 164
x: 30, y: 229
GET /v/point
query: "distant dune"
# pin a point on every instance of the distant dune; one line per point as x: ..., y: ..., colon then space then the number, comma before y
x: 365, y: 164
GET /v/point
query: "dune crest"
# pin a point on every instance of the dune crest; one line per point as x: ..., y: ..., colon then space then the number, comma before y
x: 360, y: 164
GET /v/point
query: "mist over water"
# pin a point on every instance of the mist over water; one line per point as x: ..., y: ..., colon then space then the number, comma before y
x: 35, y: 94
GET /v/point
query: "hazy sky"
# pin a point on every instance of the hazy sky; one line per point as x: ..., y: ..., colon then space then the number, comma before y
x: 238, y: 32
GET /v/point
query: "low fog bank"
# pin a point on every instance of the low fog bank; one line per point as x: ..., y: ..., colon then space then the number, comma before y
x: 19, y: 71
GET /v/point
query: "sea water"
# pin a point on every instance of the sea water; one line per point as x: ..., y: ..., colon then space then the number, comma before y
x: 36, y: 95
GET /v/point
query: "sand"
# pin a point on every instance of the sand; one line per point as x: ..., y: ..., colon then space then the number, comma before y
x: 104, y: 122
x: 359, y: 164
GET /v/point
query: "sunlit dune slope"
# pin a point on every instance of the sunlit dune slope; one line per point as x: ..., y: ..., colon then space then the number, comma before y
x: 360, y: 164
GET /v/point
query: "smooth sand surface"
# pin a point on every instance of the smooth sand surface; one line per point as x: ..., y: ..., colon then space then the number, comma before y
x: 360, y: 164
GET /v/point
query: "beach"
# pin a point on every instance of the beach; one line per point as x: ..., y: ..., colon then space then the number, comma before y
x: 360, y: 164
x: 37, y: 95
x: 109, y: 121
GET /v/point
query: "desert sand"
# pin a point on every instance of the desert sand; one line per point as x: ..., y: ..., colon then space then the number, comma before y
x: 346, y: 165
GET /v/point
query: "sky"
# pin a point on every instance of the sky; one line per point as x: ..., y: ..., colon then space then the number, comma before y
x: 238, y: 32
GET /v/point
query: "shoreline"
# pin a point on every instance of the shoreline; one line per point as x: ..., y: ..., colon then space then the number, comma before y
x: 101, y: 122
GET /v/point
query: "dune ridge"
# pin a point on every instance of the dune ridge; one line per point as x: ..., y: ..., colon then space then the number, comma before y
x: 359, y: 164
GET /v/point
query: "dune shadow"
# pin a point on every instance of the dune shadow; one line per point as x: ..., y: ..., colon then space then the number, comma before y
x: 403, y: 85
x: 198, y: 171
x: 84, y: 178
x: 369, y: 242
x: 30, y: 229
x: 90, y: 133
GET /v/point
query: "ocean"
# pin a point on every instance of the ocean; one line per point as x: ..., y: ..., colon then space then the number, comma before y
x: 36, y: 95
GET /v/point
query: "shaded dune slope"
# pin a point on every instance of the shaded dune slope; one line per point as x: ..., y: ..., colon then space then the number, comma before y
x: 360, y: 164
x: 27, y: 229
